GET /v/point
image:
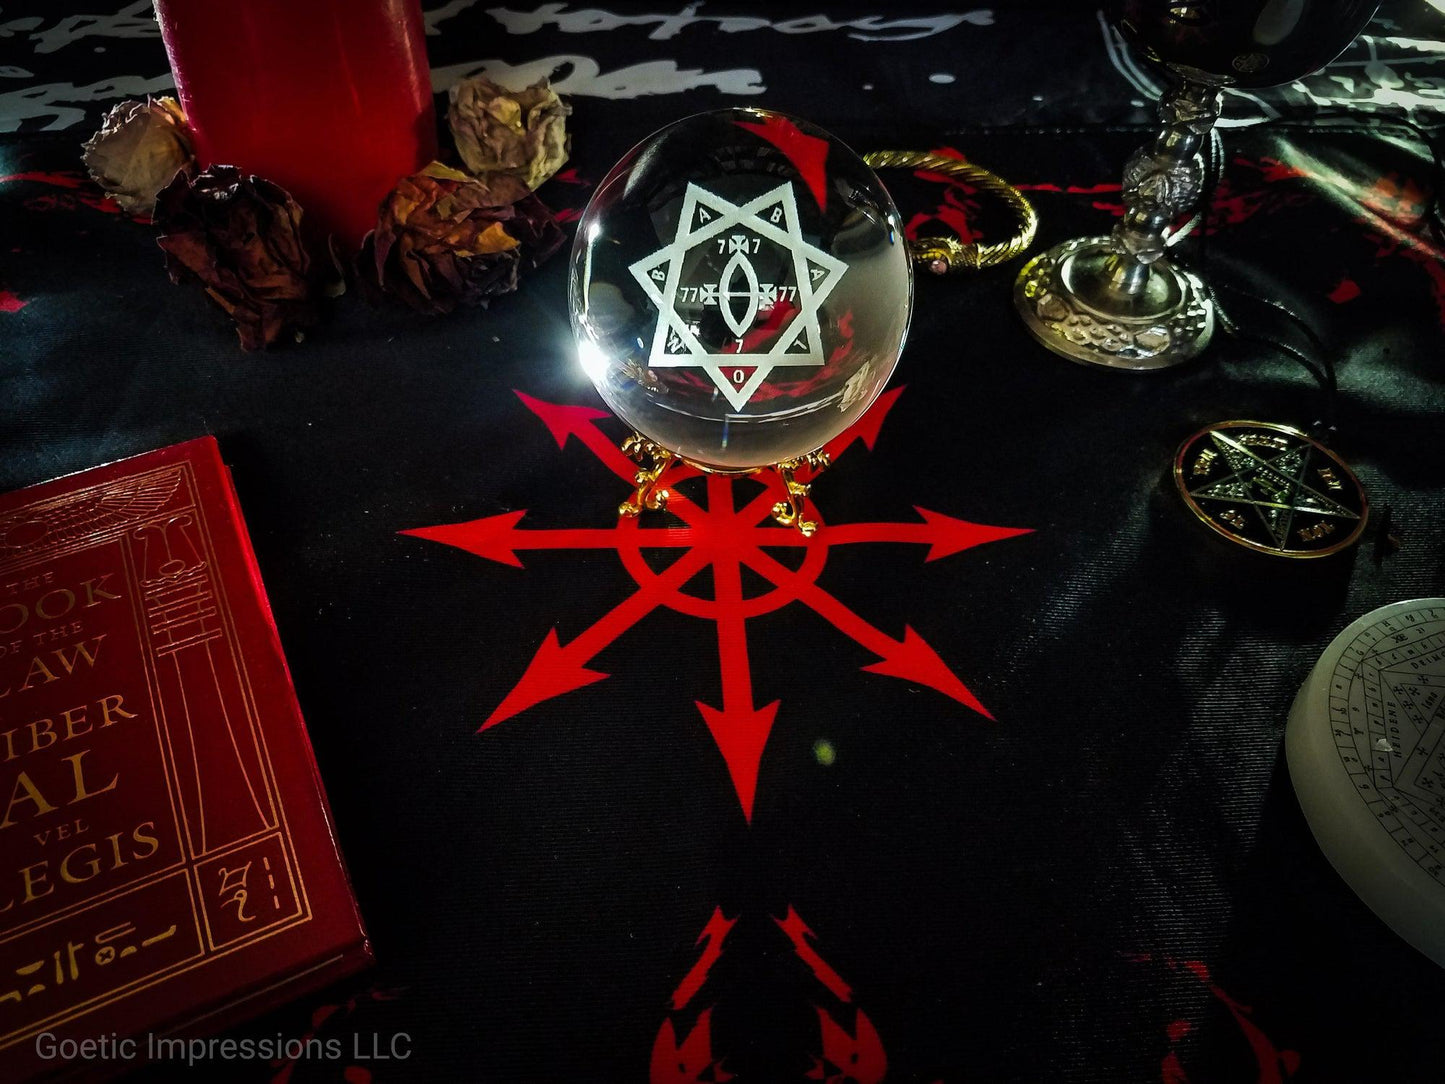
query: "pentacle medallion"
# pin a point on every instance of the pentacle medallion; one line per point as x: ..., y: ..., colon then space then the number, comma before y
x: 1272, y: 489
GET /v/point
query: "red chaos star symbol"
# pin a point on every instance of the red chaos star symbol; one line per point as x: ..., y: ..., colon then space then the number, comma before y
x: 726, y: 538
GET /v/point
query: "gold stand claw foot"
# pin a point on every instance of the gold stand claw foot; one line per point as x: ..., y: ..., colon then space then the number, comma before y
x: 654, y: 461
x: 790, y: 512
x: 652, y: 493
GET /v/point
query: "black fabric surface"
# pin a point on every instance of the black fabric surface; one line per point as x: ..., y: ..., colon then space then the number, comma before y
x: 1111, y: 882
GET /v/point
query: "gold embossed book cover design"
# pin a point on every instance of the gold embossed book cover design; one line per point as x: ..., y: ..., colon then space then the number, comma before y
x: 166, y: 853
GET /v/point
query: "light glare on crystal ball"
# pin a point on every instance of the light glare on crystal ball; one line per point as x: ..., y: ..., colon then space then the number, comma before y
x: 740, y: 288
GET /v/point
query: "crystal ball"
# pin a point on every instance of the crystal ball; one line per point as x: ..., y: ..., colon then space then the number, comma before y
x: 740, y: 288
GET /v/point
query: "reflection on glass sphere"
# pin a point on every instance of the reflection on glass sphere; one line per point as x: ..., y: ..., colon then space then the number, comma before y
x: 1245, y: 43
x: 740, y: 288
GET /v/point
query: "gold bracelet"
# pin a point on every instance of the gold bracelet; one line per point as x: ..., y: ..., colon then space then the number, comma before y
x: 942, y: 255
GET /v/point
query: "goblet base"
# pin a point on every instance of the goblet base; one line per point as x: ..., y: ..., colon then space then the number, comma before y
x: 1070, y: 302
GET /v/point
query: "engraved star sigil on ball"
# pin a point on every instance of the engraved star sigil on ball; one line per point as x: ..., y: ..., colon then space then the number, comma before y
x: 717, y: 311
x: 728, y: 537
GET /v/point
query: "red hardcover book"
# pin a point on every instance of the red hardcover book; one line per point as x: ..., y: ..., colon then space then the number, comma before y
x: 167, y: 859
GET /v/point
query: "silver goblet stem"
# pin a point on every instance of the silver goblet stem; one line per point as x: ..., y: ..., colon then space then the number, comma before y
x: 1119, y: 301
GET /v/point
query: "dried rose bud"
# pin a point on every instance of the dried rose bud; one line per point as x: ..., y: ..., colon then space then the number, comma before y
x: 444, y: 239
x: 522, y: 133
x: 138, y: 150
x: 240, y: 238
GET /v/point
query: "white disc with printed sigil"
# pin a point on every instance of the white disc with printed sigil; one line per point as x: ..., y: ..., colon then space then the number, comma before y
x: 1366, y: 751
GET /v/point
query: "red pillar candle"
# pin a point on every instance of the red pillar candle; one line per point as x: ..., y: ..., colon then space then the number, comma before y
x: 331, y: 99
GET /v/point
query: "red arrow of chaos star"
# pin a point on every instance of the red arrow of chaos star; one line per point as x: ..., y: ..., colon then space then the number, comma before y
x: 726, y: 538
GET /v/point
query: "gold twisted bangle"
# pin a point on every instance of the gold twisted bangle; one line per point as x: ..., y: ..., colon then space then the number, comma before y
x: 942, y: 255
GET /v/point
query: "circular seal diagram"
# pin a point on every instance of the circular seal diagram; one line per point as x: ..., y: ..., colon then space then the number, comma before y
x: 1366, y: 751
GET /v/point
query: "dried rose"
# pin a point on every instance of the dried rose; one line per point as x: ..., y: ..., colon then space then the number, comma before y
x: 521, y: 133
x: 535, y: 226
x: 240, y: 238
x: 444, y: 239
x: 138, y: 150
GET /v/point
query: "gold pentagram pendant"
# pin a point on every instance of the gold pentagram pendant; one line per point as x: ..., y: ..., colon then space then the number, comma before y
x: 1272, y: 489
